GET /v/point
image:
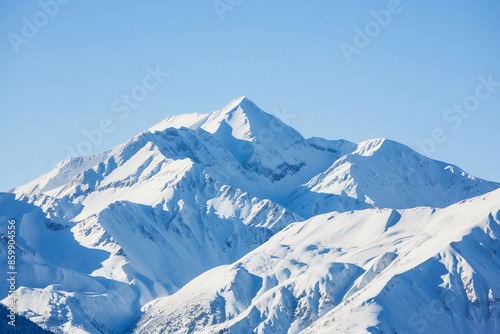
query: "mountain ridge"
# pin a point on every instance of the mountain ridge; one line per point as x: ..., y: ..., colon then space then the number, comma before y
x: 196, y: 192
x: 316, y: 288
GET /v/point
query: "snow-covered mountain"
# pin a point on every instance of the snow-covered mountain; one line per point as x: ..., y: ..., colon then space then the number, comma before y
x: 105, y: 237
x: 385, y: 174
x: 376, y: 270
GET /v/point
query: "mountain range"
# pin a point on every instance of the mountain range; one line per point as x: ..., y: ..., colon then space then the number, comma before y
x: 233, y: 222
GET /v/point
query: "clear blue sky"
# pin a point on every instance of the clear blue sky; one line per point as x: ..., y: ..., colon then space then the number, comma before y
x: 281, y: 54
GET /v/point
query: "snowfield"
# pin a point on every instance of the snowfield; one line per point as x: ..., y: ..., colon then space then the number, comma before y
x: 232, y: 222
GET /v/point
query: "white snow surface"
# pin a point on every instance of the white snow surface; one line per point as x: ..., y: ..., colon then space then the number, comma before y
x: 370, y: 271
x: 198, y: 225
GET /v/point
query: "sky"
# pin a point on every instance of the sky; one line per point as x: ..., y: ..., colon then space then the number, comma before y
x: 424, y: 74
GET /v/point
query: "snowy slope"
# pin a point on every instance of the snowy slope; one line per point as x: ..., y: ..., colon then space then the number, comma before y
x: 133, y: 250
x: 267, y: 158
x: 385, y: 174
x: 377, y: 271
x: 101, y: 236
x: 56, y: 288
x: 273, y: 152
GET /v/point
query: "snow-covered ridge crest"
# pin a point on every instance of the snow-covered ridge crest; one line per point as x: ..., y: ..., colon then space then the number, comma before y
x: 369, y: 147
x: 244, y: 117
x: 386, y: 174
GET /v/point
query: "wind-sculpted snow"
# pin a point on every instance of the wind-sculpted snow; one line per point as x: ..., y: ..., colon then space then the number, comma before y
x: 104, y: 236
x: 433, y: 271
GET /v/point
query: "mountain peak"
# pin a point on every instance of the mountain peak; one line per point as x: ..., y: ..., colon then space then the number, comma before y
x: 243, y: 116
x: 238, y: 101
x: 241, y: 102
